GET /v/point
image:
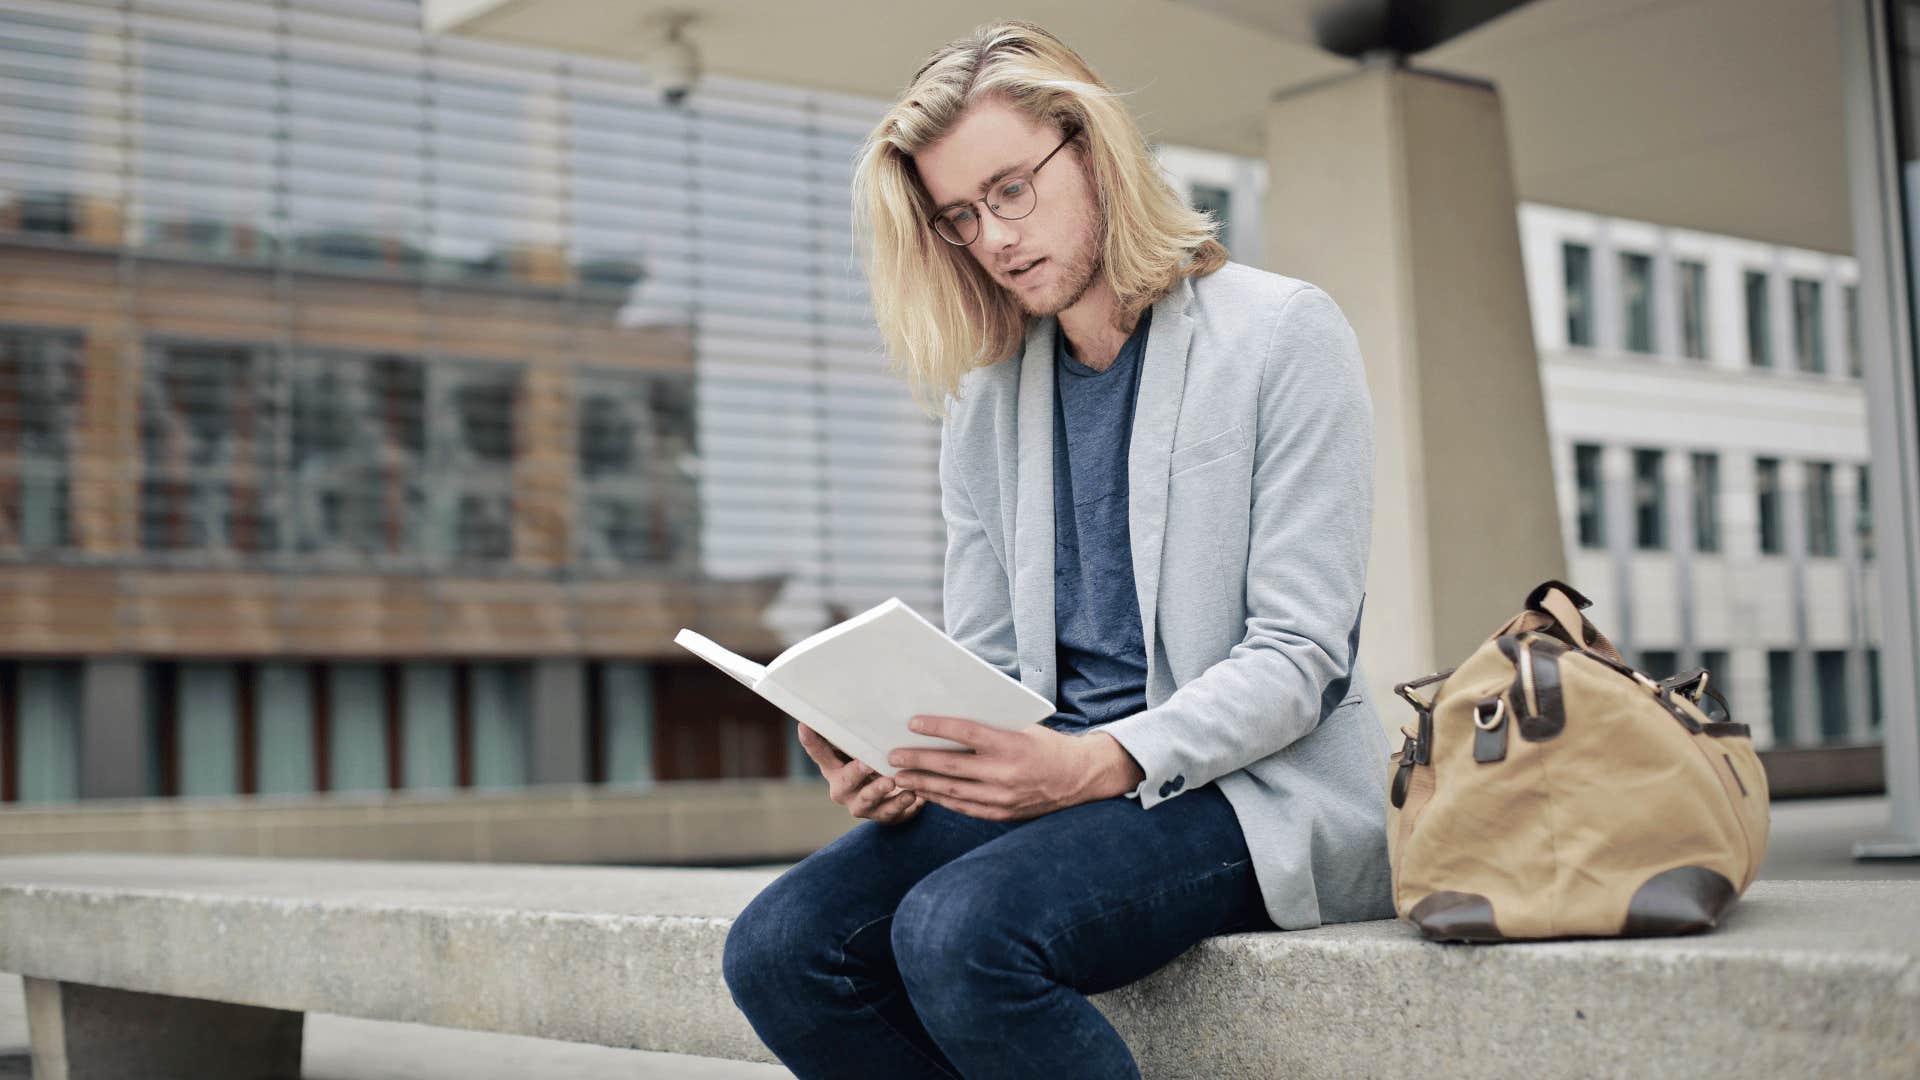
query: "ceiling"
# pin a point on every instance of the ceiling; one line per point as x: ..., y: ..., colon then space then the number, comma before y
x: 1719, y: 115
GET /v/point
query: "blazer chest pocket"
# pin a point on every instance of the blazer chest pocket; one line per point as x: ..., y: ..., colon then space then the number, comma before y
x: 1207, y: 448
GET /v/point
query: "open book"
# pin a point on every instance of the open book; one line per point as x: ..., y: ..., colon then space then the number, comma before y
x: 858, y: 683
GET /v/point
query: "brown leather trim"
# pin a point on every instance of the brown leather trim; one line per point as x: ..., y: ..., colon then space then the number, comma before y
x: 1720, y: 728
x: 1489, y: 744
x: 1552, y: 718
x: 1544, y: 653
x: 1539, y: 594
x: 1683, y: 900
x: 1735, y: 773
x: 1665, y: 697
x: 1456, y: 916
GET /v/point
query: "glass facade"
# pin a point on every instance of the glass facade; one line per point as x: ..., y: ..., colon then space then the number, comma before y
x: 1809, y: 327
x: 1863, y: 509
x: 1693, y: 308
x: 1766, y: 480
x: 343, y: 336
x: 1830, y: 679
x: 1822, y: 538
x: 1216, y: 201
x: 1780, y: 701
x: 1576, y: 263
x: 1590, y: 493
x: 1851, y: 302
x: 1706, y: 502
x: 1636, y: 302
x: 1759, y: 319
x: 1649, y: 500
x: 39, y: 736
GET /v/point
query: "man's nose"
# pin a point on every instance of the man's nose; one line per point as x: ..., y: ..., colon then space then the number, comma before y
x: 997, y: 233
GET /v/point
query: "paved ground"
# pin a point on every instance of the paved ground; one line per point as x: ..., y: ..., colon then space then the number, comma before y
x: 1809, y: 839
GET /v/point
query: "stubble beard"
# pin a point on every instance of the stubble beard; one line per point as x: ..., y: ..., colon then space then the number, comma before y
x: 1077, y: 274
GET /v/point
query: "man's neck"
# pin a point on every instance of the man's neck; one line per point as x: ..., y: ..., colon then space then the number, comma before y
x: 1091, y: 338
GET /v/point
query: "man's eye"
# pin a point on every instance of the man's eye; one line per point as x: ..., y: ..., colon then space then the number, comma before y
x: 960, y: 216
x: 1013, y: 189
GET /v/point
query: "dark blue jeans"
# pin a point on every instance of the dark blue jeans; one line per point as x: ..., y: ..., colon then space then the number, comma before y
x: 949, y: 946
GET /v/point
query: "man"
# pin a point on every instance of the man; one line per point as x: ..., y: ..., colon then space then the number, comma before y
x: 1157, y: 485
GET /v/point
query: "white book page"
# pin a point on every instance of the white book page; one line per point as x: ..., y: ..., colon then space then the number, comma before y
x: 875, y: 671
x: 742, y: 669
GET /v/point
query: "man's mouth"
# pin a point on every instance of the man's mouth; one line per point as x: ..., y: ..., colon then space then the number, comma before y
x: 1024, y: 269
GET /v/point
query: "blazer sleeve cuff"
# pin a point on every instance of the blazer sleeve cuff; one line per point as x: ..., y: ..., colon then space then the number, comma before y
x: 1168, y: 772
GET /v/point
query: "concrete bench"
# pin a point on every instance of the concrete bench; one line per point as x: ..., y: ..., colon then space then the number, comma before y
x: 203, y: 967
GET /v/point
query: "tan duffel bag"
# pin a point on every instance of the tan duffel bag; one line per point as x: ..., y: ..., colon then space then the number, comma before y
x: 1549, y: 790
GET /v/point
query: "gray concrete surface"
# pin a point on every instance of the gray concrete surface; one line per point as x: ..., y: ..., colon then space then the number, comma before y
x: 1812, y: 839
x: 98, y: 1033
x: 345, y: 1048
x: 1805, y: 977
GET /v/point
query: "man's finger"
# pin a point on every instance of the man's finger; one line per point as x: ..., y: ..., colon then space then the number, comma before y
x: 823, y: 753
x: 903, y: 805
x: 964, y: 763
x: 846, y: 779
x: 953, y: 787
x: 868, y: 798
x: 970, y: 733
x: 968, y: 807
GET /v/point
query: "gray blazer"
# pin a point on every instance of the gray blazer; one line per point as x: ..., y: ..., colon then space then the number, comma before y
x: 1250, y: 504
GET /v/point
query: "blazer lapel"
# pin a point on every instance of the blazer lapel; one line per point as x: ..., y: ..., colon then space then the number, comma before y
x: 1155, y: 415
x: 1032, y: 500
x: 1162, y: 383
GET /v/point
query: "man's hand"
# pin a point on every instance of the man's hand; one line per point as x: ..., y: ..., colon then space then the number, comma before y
x: 865, y: 793
x: 1013, y: 775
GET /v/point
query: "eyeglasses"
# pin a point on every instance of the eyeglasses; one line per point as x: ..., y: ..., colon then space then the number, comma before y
x: 1012, y: 200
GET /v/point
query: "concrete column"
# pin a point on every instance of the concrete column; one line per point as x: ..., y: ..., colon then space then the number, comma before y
x: 1413, y: 232
x: 1666, y: 301
x: 113, y: 728
x: 1616, y: 493
x: 559, y: 720
x: 1882, y: 244
x: 1682, y: 541
x: 82, y: 1032
x: 1780, y: 314
x: 1746, y: 685
x: 1608, y: 334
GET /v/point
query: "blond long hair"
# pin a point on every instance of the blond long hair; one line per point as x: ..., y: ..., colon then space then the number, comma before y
x: 939, y: 313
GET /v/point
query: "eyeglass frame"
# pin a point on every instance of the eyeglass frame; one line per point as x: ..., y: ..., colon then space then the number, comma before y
x: 934, y: 221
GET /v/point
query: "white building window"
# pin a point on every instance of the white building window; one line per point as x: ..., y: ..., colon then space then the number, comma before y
x: 1576, y: 267
x: 1693, y: 309
x: 1821, y: 535
x: 1766, y: 486
x: 1759, y: 328
x: 1649, y: 500
x: 1809, y: 327
x: 1636, y: 301
x: 1591, y: 491
x: 1706, y: 502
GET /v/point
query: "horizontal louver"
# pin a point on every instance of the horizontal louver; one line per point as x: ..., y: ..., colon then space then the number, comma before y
x: 356, y: 299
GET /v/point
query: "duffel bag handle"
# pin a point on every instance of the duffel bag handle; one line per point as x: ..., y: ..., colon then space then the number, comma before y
x: 1695, y: 684
x: 1563, y: 603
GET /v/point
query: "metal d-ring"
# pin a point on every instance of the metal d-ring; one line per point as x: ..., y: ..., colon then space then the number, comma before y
x: 1499, y: 713
x: 1700, y: 688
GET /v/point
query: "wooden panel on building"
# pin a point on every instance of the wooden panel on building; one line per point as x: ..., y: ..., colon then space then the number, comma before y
x: 707, y: 726
x: 59, y: 610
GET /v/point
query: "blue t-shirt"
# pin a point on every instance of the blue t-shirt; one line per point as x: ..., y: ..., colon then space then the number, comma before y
x: 1098, y: 649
